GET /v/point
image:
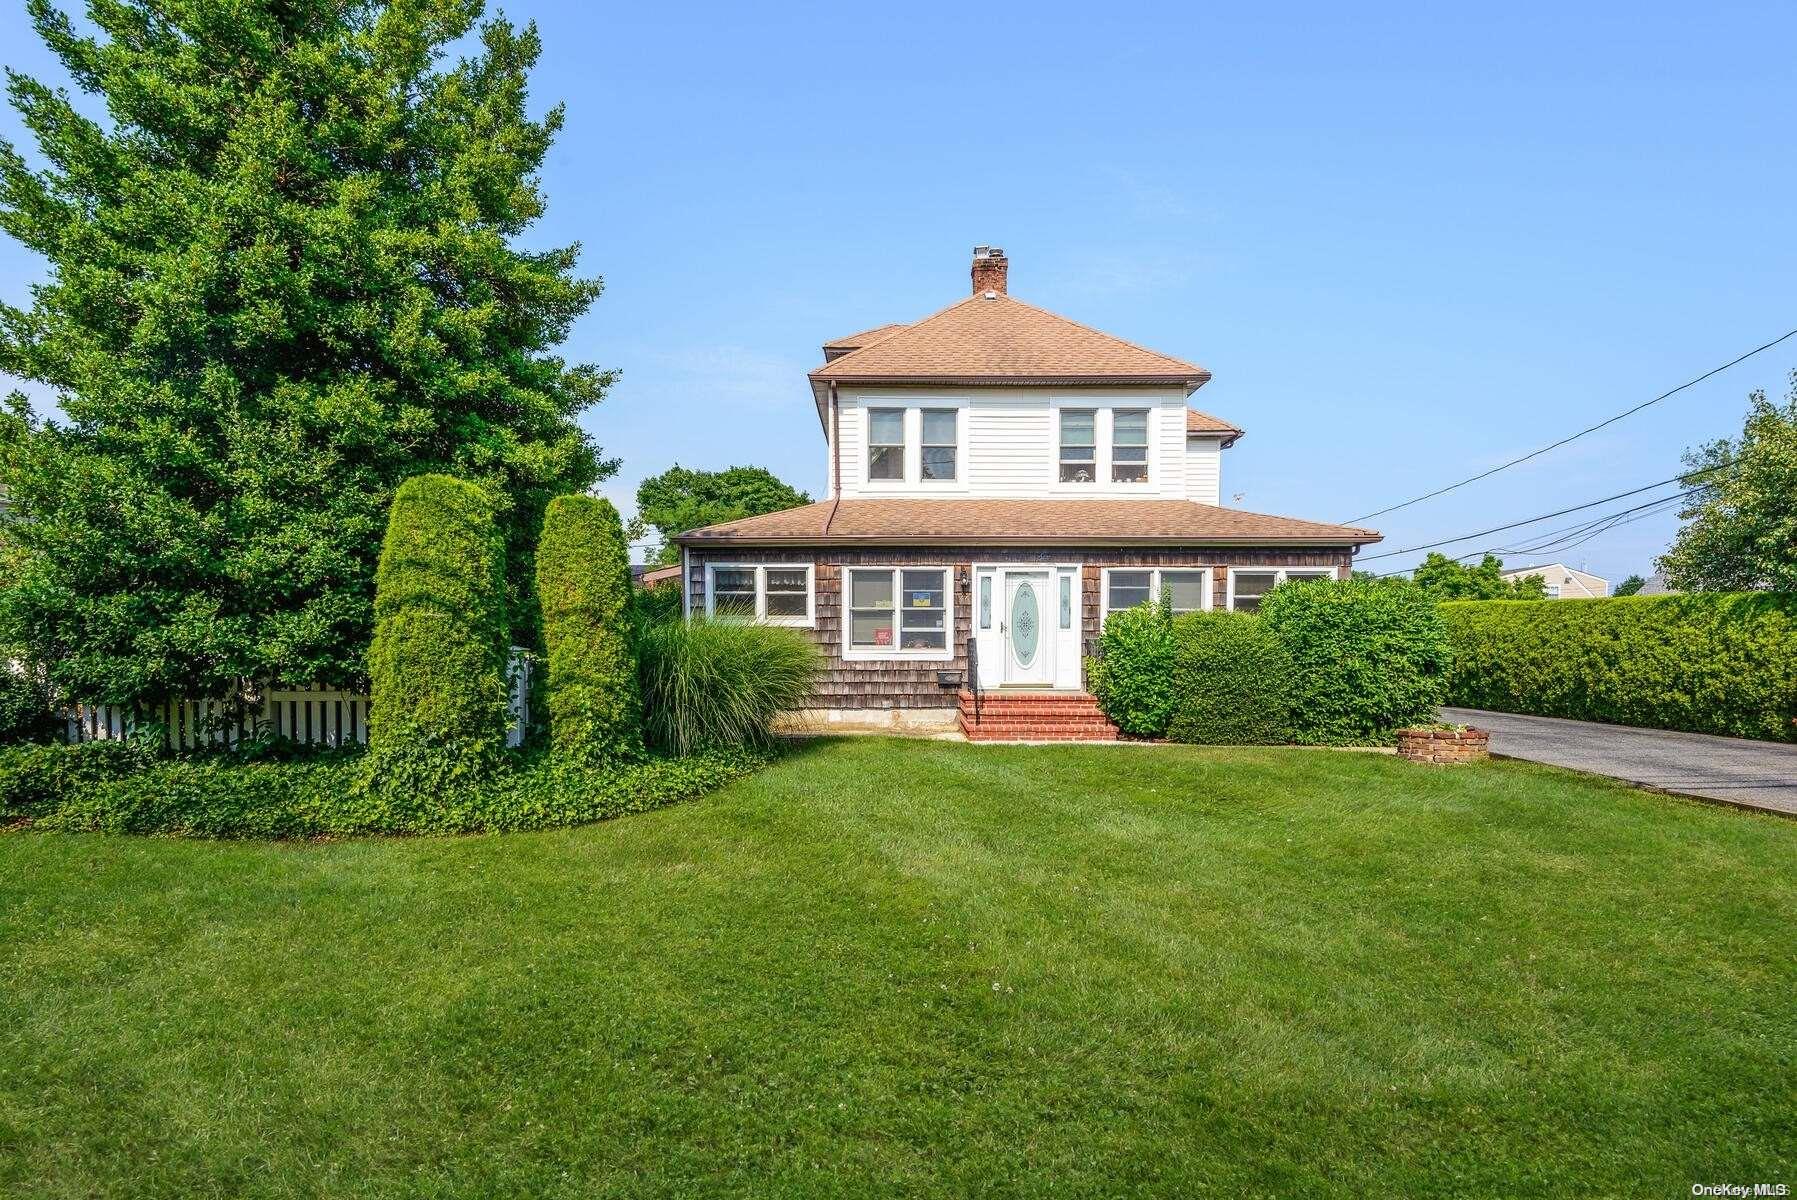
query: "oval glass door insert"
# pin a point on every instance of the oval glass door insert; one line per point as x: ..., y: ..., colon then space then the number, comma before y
x: 1026, y: 624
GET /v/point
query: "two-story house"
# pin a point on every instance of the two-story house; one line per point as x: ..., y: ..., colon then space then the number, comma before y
x: 1000, y: 478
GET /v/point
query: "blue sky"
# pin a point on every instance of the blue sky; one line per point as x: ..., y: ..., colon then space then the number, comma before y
x: 1410, y: 242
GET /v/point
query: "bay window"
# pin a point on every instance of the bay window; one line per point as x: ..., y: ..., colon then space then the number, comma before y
x: 1250, y: 585
x: 776, y: 593
x: 900, y: 612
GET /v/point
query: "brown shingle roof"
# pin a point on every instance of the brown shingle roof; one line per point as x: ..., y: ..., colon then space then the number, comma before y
x: 1198, y: 422
x: 1035, y: 522
x: 1003, y: 339
x: 857, y: 340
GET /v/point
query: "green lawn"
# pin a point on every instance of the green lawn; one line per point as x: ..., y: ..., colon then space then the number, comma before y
x: 925, y: 968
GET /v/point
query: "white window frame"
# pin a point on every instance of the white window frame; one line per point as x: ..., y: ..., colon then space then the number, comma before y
x: 1280, y: 575
x: 1154, y: 587
x: 850, y: 651
x: 1104, y: 409
x: 955, y: 412
x: 808, y: 621
x: 1147, y: 448
x: 912, y: 407
x: 869, y: 445
x: 1098, y: 465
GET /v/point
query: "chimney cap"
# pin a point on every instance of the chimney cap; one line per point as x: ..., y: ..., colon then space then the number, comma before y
x: 988, y: 252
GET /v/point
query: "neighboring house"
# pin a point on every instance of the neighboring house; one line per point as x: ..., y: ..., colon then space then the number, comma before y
x: 1563, y: 583
x: 652, y: 576
x: 1656, y: 586
x: 1000, y: 478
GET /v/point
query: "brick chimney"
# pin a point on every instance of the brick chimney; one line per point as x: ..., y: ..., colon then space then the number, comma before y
x: 988, y: 270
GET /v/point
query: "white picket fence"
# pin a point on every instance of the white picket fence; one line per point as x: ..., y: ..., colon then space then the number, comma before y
x: 312, y: 718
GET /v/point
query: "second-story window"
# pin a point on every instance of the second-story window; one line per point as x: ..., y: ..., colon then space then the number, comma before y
x: 1079, y: 445
x: 885, y: 443
x: 939, y: 443
x: 1129, y: 446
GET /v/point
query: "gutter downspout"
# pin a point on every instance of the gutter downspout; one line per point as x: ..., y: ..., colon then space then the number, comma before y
x: 835, y: 457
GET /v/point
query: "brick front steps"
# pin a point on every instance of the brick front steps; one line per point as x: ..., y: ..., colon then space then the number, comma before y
x: 1034, y: 717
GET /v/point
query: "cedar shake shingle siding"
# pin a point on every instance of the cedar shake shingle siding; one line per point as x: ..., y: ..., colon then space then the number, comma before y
x: 912, y: 683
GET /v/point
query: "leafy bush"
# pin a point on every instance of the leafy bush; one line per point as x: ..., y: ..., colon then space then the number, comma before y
x: 710, y: 684
x: 1367, y: 658
x: 659, y: 603
x: 1132, y: 677
x: 1706, y: 662
x: 321, y: 796
x: 1232, y: 680
x: 583, y: 581
x: 39, y: 777
x: 25, y: 714
x: 437, y: 714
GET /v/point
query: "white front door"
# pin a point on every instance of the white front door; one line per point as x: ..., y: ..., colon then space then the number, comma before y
x: 1026, y: 628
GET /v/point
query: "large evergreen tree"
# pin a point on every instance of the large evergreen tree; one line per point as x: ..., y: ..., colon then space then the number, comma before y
x: 282, y: 279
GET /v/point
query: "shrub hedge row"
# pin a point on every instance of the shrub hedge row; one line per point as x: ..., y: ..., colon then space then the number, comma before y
x: 583, y: 581
x: 437, y: 665
x: 1233, y: 682
x: 1368, y: 657
x: 1703, y: 662
x: 1324, y: 663
x: 110, y: 788
x: 24, y: 707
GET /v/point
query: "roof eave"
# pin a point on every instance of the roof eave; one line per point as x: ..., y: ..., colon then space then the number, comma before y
x: 818, y: 539
x: 1190, y: 383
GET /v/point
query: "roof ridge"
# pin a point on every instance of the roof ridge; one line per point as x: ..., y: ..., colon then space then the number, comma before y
x: 901, y: 329
x: 1180, y: 362
x: 885, y: 331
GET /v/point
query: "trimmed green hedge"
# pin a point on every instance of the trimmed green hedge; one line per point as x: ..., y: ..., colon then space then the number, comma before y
x: 437, y: 666
x: 1706, y: 662
x: 1132, y: 677
x: 1232, y: 681
x: 583, y: 582
x: 113, y: 789
x: 1368, y: 658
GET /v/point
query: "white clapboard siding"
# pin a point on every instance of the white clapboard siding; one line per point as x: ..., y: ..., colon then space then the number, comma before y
x: 318, y: 717
x: 1204, y: 470
x: 1008, y: 442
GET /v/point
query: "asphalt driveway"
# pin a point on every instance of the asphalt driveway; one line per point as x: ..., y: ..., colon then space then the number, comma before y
x: 1732, y: 770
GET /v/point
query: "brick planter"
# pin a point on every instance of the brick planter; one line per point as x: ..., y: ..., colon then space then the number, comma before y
x: 1445, y: 746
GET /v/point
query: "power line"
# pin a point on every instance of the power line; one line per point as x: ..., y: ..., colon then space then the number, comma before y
x: 1549, y: 516
x: 1575, y: 437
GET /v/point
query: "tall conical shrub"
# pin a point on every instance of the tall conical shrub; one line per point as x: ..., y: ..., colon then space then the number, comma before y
x: 583, y: 581
x: 437, y: 665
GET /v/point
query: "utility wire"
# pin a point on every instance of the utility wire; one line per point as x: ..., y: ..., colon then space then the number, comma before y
x: 1568, y: 536
x: 1575, y: 437
x: 1548, y: 516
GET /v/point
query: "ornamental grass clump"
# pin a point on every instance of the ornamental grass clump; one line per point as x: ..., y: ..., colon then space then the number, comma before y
x: 711, y: 684
x: 583, y: 581
x: 438, y: 715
